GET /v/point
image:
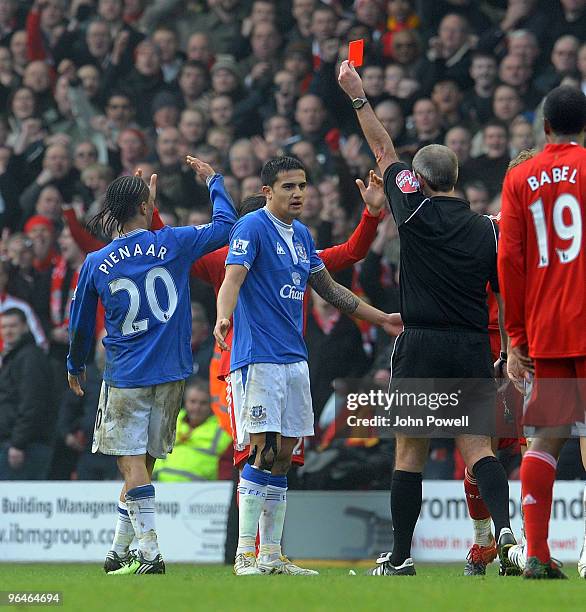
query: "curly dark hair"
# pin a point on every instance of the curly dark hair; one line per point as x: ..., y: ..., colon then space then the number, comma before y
x: 123, y: 197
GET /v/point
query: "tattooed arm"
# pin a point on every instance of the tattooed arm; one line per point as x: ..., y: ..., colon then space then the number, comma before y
x: 345, y: 301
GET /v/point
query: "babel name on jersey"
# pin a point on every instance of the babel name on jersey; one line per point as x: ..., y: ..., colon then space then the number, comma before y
x: 128, y: 251
x: 555, y: 175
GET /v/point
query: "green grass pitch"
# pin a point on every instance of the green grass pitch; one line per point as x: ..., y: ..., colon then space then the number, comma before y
x: 195, y: 587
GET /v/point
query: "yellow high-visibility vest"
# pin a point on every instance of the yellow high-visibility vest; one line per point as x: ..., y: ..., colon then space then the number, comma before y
x: 197, y: 452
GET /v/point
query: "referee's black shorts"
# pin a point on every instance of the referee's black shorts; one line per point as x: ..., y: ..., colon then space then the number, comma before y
x: 448, y: 362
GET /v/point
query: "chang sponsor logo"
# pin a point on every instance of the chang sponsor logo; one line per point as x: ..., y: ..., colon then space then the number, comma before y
x: 292, y: 292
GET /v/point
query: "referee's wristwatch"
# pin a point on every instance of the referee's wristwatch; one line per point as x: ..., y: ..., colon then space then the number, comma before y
x: 358, y: 103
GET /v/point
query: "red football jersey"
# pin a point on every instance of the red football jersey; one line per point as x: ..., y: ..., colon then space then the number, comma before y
x: 542, y: 252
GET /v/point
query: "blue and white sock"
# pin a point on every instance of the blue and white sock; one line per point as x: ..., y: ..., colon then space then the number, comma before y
x: 124, y: 533
x: 141, y: 510
x: 272, y: 518
x: 252, y: 490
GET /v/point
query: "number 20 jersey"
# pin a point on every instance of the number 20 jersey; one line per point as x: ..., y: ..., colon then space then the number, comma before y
x: 142, y: 279
x: 542, y: 252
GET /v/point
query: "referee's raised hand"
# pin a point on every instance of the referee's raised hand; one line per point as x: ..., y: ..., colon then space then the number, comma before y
x: 350, y: 80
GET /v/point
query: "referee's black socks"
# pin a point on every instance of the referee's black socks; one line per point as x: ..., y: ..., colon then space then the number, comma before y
x: 494, y: 488
x: 405, y: 509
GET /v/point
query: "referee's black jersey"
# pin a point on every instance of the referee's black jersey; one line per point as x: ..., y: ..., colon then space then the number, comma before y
x: 448, y: 255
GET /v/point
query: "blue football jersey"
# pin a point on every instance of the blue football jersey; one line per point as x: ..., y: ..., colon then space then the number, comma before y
x: 142, y: 279
x: 268, y: 319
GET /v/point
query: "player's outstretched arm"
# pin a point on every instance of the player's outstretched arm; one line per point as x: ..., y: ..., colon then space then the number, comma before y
x: 344, y: 255
x: 215, y: 234
x: 378, y: 138
x: 345, y: 301
x: 84, y: 239
x: 227, y: 298
x: 82, y: 323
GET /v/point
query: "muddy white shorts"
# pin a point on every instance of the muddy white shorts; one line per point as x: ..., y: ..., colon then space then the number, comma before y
x: 272, y: 397
x: 138, y: 420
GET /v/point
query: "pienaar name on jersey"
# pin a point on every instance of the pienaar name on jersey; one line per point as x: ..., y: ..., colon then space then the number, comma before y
x: 127, y: 251
x: 239, y: 246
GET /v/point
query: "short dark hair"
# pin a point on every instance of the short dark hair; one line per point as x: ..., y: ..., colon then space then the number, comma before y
x: 196, y: 382
x: 494, y: 122
x: 123, y: 197
x: 270, y: 171
x: 193, y: 64
x: 321, y: 6
x: 163, y: 27
x: 251, y: 203
x: 15, y: 312
x: 565, y: 110
x: 478, y: 185
x: 484, y: 55
x: 122, y: 93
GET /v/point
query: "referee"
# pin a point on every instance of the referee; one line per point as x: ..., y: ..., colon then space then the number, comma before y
x: 448, y: 255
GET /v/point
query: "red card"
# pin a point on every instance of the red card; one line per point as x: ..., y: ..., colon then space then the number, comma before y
x: 356, y: 52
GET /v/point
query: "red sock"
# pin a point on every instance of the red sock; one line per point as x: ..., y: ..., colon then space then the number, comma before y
x: 476, y: 507
x: 537, y: 478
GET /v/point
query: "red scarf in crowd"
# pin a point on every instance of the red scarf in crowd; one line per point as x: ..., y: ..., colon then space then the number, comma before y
x: 60, y: 318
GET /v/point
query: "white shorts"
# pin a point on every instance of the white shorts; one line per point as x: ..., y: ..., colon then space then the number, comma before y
x: 272, y: 397
x: 138, y: 421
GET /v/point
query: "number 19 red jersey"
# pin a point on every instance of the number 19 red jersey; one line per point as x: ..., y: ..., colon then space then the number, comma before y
x: 542, y: 252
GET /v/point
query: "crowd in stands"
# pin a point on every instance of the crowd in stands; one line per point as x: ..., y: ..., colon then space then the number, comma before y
x: 95, y: 89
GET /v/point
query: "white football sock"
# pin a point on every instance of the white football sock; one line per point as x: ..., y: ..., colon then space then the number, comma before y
x: 124, y: 533
x: 482, y: 531
x: 141, y: 510
x: 272, y: 518
x: 252, y: 490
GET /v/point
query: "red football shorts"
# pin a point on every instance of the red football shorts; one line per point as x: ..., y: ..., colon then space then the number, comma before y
x: 558, y: 393
x: 241, y: 456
